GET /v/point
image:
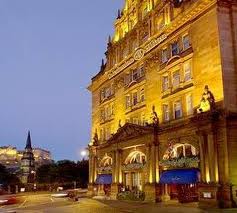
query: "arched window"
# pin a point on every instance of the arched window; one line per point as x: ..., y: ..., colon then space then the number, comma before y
x: 136, y: 157
x: 180, y: 150
x: 106, y: 161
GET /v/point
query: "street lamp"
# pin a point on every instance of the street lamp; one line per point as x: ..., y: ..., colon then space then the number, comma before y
x: 83, y: 154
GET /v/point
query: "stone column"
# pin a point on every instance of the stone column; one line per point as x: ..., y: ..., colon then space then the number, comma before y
x: 212, y: 158
x: 95, y: 168
x: 120, y: 178
x: 114, y: 160
x: 90, y: 169
x: 157, y: 164
x: 150, y: 186
x: 153, y: 164
x: 116, y: 175
x: 148, y: 164
x: 90, y: 192
x: 202, y: 157
x: 165, y: 197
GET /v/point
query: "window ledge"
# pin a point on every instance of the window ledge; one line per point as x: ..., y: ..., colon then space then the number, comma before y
x: 134, y: 108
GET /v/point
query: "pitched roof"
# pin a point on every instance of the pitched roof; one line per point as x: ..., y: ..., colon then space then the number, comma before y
x: 28, y: 142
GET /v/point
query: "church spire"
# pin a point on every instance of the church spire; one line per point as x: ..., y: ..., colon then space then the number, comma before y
x: 28, y: 142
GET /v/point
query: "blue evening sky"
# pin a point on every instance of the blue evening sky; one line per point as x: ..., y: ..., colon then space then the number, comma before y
x: 49, y: 50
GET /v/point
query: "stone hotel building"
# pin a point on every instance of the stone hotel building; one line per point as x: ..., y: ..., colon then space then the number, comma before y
x: 164, y: 104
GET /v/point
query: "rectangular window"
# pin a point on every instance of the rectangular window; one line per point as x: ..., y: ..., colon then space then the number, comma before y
x: 135, y: 100
x: 135, y: 75
x: 102, y: 95
x: 107, y: 133
x: 112, y: 109
x: 174, y: 49
x: 107, y: 113
x: 107, y: 92
x: 101, y: 135
x: 164, y: 55
x: 142, y: 95
x: 165, y: 83
x: 188, y: 151
x: 189, y: 104
x: 161, y: 22
x: 128, y: 102
x: 186, y: 42
x: 102, y: 115
x: 166, y: 112
x: 176, y: 78
x: 177, y: 110
x: 187, y: 71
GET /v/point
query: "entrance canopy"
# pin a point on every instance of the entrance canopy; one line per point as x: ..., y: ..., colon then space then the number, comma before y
x: 180, y: 176
x: 104, y: 179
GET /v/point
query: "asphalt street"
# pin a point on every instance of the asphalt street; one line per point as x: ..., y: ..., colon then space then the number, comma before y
x: 44, y: 203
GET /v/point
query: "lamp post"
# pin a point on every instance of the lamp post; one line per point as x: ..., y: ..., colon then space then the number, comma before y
x: 84, y: 154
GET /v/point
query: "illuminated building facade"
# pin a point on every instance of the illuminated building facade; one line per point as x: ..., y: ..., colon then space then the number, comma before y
x: 10, y: 157
x: 164, y: 104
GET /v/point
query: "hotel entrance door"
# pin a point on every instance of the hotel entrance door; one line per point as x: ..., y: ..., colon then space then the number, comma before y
x: 181, y: 184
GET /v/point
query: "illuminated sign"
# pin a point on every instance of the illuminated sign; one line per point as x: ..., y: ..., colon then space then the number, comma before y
x: 138, y: 55
x: 207, y: 195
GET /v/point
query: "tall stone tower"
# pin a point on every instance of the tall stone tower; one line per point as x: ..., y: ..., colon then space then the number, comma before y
x: 28, y: 163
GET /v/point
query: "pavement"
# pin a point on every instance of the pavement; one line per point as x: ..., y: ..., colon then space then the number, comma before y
x: 44, y: 203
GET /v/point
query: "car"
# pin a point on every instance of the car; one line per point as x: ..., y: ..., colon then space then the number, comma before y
x: 8, y: 200
x: 60, y: 195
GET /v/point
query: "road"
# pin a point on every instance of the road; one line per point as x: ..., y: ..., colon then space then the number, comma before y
x: 44, y: 203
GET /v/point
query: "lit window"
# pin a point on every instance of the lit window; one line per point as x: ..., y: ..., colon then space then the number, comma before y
x: 187, y: 71
x: 165, y: 83
x: 161, y: 22
x: 176, y: 78
x: 174, y: 49
x: 128, y: 101
x: 136, y: 157
x: 164, y: 55
x: 182, y: 150
x: 177, y: 109
x: 189, y: 104
x: 186, y: 42
x: 166, y: 112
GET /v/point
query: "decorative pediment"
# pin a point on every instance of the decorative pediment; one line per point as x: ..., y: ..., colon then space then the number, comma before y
x: 129, y: 131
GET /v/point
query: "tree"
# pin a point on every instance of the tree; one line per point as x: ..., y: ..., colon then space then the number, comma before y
x: 7, y: 178
x: 64, y: 172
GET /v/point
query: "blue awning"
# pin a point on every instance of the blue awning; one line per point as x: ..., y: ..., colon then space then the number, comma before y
x: 180, y: 176
x: 104, y: 179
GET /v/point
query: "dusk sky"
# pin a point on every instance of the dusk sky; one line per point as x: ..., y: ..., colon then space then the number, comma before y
x: 49, y: 50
